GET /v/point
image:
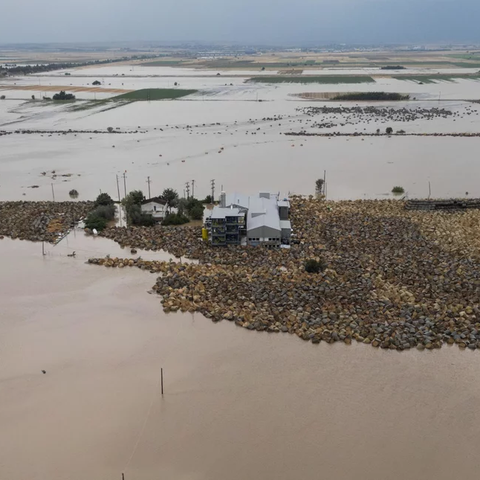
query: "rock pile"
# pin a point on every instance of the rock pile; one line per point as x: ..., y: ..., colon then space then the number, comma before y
x: 361, y: 114
x: 40, y: 221
x: 304, y: 133
x: 395, y: 279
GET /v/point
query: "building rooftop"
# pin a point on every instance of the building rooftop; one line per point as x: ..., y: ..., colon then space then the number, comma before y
x: 219, y: 213
x: 237, y: 199
x: 159, y: 200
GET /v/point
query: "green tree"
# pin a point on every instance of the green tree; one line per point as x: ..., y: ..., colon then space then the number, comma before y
x: 196, y: 213
x: 138, y: 218
x: 171, y: 197
x: 103, y: 199
x: 389, y: 130
x: 94, y: 221
x: 132, y: 205
x: 105, y: 211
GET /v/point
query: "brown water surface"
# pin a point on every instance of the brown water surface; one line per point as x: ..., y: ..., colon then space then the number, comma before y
x: 238, y: 404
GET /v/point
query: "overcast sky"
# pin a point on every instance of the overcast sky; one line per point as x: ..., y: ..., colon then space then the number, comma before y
x: 283, y: 22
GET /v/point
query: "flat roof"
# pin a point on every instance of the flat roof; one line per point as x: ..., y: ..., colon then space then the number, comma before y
x: 220, y: 213
x: 284, y: 203
x: 285, y: 224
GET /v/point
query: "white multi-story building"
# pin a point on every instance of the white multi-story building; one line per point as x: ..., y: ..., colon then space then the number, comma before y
x: 261, y: 220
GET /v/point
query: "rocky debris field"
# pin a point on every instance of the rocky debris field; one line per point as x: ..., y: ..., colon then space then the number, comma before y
x: 303, y: 133
x: 40, y: 221
x: 341, y: 116
x: 395, y: 279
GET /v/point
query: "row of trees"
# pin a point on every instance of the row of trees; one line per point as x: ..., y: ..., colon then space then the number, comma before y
x: 104, y: 211
x: 48, y: 67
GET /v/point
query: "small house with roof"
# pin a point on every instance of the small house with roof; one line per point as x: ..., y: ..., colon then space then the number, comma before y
x: 156, y: 207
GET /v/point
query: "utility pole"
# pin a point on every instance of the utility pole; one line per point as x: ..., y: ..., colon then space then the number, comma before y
x: 148, y: 181
x: 118, y: 190
x: 187, y: 188
x: 193, y: 188
x: 213, y: 190
x: 53, y: 193
x: 43, y: 248
x: 125, y: 182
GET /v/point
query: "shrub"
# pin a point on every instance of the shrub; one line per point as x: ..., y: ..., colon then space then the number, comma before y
x: 110, y: 129
x: 398, y: 190
x: 136, y: 217
x: 175, y: 219
x: 3, y: 97
x: 196, y: 213
x: 194, y: 208
x: 105, y: 211
x: 103, y: 199
x: 389, y: 130
x: 314, y: 266
x: 94, y: 221
x: 96, y: 82
x: 73, y: 193
x: 64, y: 96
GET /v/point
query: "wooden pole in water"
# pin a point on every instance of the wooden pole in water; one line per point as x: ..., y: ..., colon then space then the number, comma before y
x: 43, y: 248
x: 161, y: 379
x: 123, y: 476
x: 53, y: 193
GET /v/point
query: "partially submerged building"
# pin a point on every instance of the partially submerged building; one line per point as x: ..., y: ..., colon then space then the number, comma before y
x: 156, y: 207
x: 251, y: 220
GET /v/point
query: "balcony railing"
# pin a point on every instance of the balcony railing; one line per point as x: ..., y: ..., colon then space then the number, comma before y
x: 218, y: 223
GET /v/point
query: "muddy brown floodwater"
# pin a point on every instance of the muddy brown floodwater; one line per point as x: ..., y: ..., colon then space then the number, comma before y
x: 238, y: 404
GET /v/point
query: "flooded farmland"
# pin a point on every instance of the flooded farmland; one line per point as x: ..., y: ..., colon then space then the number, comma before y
x: 237, y: 404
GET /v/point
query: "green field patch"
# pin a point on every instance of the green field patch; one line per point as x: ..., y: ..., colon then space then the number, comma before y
x: 161, y: 63
x: 324, y: 79
x: 148, y: 94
